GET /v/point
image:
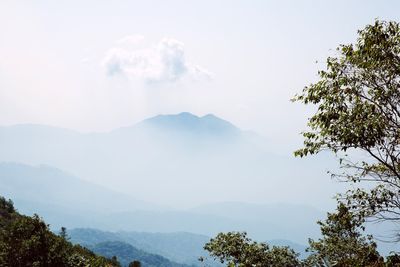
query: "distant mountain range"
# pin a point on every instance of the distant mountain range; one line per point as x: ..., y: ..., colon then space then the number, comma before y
x: 64, y: 200
x: 126, y: 252
x: 180, y: 160
x: 185, y: 122
x: 181, y: 247
x: 45, y: 184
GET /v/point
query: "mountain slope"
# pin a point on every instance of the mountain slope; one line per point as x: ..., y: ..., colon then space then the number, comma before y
x: 208, y: 125
x: 127, y: 253
x: 61, y: 198
x: 65, y: 200
x: 153, y: 159
x: 180, y: 247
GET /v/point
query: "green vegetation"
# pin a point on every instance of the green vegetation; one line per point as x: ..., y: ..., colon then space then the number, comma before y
x: 342, y: 242
x: 236, y: 249
x: 27, y: 241
x: 358, y: 112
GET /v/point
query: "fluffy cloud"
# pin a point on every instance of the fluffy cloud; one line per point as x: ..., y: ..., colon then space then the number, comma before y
x: 163, y: 62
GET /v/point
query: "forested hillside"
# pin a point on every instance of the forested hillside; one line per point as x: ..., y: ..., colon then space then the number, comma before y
x: 27, y: 241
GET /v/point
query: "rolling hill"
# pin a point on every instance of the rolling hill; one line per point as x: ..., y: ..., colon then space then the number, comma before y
x: 127, y: 253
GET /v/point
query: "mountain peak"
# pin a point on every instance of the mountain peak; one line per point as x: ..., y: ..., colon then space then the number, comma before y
x: 210, y: 116
x: 184, y: 114
x: 188, y: 122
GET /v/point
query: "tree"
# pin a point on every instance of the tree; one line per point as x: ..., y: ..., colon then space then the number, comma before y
x: 236, y: 249
x: 27, y: 241
x: 358, y: 112
x: 342, y: 242
x: 63, y: 233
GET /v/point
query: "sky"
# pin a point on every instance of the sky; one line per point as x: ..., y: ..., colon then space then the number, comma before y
x: 99, y: 65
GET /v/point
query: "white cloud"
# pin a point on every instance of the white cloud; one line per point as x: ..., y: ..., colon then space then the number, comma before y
x: 163, y: 62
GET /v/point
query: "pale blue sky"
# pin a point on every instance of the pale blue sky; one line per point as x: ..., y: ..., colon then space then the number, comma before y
x: 241, y: 60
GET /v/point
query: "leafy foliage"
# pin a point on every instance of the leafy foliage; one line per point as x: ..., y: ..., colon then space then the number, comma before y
x: 236, y: 249
x: 358, y: 108
x: 27, y: 241
x: 342, y: 242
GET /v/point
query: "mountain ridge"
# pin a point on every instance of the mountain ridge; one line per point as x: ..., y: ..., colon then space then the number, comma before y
x: 180, y: 247
x: 181, y: 117
x: 213, y: 156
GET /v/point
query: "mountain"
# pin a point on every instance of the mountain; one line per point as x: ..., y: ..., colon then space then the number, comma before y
x: 186, y: 122
x: 75, y: 179
x: 126, y: 254
x: 273, y: 222
x: 280, y: 212
x: 173, y: 160
x: 63, y: 199
x: 180, y: 160
x: 181, y: 247
x: 277, y: 216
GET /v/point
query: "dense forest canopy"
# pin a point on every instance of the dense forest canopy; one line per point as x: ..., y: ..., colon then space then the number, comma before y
x: 27, y: 241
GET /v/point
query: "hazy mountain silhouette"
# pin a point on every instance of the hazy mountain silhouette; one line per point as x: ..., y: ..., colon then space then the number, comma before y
x: 177, y: 160
x: 180, y: 160
x: 180, y: 247
x: 186, y: 122
x: 65, y: 200
x: 127, y: 253
x: 62, y: 198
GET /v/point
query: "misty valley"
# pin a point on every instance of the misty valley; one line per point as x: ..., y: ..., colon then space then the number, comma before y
x: 43, y: 167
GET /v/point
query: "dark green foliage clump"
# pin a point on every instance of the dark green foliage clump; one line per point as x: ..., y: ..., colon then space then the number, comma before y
x: 343, y: 243
x: 27, y: 241
x: 236, y: 249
